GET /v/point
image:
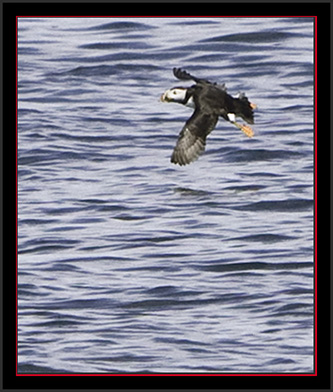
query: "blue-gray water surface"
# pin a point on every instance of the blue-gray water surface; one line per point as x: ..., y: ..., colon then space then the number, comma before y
x: 128, y: 263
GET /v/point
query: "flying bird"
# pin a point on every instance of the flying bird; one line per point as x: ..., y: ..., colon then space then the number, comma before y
x: 210, y: 101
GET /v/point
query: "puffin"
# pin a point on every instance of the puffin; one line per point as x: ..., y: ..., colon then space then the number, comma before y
x: 209, y: 101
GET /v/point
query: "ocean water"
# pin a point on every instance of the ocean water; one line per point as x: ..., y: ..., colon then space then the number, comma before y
x: 128, y: 263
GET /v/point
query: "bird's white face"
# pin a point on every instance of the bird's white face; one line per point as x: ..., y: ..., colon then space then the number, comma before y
x: 174, y: 95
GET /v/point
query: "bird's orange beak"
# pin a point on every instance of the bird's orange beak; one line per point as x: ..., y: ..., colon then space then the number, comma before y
x: 164, y: 98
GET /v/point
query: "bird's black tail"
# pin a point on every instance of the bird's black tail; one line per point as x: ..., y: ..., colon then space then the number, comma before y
x: 244, y: 109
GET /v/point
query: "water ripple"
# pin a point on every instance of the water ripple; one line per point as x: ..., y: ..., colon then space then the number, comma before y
x: 129, y: 264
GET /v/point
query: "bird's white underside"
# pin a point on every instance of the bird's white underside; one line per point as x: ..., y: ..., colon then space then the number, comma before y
x: 231, y: 117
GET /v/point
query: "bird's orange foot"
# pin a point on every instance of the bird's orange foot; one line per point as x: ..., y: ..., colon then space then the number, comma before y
x: 247, y: 130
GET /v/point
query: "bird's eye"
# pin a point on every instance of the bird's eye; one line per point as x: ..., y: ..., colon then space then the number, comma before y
x: 175, y: 92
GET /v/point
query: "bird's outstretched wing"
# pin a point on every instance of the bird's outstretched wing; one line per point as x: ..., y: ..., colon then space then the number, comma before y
x: 184, y: 75
x: 192, y: 138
